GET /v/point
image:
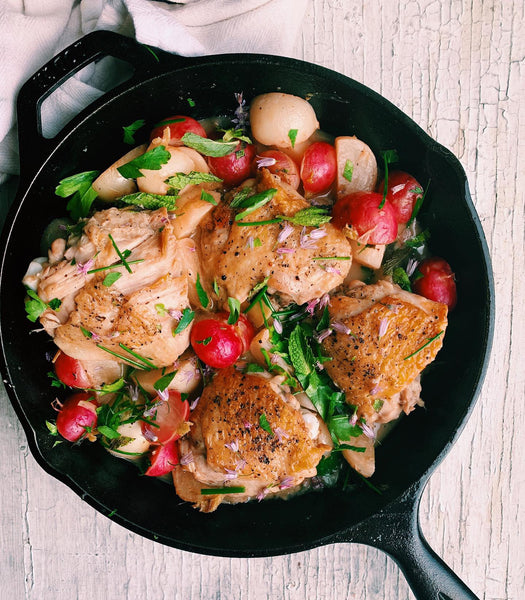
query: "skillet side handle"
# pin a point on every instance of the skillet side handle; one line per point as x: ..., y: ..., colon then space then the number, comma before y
x: 396, y: 530
x: 92, y: 47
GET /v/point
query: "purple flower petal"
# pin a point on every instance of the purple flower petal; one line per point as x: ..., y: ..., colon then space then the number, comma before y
x: 353, y: 419
x: 317, y: 234
x: 250, y: 243
x: 240, y: 464
x: 264, y: 161
x: 247, y: 425
x: 325, y: 301
x: 286, y: 483
x: 281, y: 434
x: 368, y: 431
x: 411, y: 266
x: 340, y: 327
x: 230, y: 474
x: 163, y: 394
x: 285, y: 233
x: 83, y: 268
x: 233, y: 446
x: 310, y: 307
x: 334, y: 270
x: 285, y: 250
x: 150, y: 435
x: 278, y: 326
x: 186, y: 459
x: 193, y: 405
x: 383, y: 326
x: 320, y: 336
x: 175, y: 314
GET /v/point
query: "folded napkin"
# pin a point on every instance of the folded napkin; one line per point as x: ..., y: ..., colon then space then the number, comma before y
x: 33, y: 31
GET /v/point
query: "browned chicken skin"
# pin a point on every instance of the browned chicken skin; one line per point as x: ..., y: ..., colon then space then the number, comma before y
x: 228, y: 257
x: 392, y: 336
x: 229, y: 445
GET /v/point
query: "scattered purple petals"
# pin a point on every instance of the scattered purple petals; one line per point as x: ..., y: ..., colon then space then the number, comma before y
x: 353, y: 419
x: 368, y: 431
x: 411, y: 266
x: 175, y: 314
x: 375, y: 390
x: 278, y: 326
x: 250, y: 243
x: 285, y: 233
x: 262, y: 494
x: 383, y: 326
x: 189, y: 375
x: 319, y: 365
x: 233, y: 446
x: 193, y: 405
x: 334, y: 270
x: 274, y: 359
x: 305, y: 242
x: 149, y: 435
x: 163, y: 394
x: 340, y: 327
x: 286, y: 483
x: 281, y: 434
x: 264, y: 161
x: 240, y: 464
x: 133, y: 392
x: 317, y: 234
x: 310, y: 307
x: 164, y: 220
x: 95, y: 337
x: 325, y: 301
x: 152, y: 409
x: 83, y: 268
x: 285, y: 250
x: 230, y: 474
x: 247, y: 425
x: 320, y: 336
x: 186, y: 459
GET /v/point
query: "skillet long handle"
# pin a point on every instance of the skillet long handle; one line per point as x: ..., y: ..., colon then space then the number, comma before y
x: 396, y: 531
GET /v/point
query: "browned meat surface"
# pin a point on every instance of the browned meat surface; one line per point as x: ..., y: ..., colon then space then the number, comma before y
x: 230, y: 256
x: 387, y: 343
x: 229, y: 445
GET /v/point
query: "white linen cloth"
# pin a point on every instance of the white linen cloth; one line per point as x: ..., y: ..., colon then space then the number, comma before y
x: 33, y: 31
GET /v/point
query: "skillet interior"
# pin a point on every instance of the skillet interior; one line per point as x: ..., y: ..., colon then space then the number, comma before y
x: 343, y: 107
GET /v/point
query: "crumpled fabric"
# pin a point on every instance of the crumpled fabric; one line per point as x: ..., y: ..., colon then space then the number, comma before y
x: 33, y: 31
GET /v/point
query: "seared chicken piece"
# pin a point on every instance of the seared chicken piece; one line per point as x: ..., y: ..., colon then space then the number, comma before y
x: 229, y: 446
x: 382, y: 338
x: 230, y: 256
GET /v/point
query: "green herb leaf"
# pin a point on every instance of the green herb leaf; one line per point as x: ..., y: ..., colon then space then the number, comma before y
x: 52, y: 428
x: 216, y: 287
x: 205, y: 341
x: 110, y: 278
x: 400, y: 277
x: 235, y: 309
x: 87, y: 334
x: 207, y: 147
x: 208, y: 198
x: 163, y: 382
x: 152, y: 52
x: 108, y: 432
x: 313, y: 216
x: 253, y: 368
x: 82, y: 194
x: 378, y: 404
x: 150, y: 201
x: 191, y: 102
x: 389, y: 156
x: 186, y: 319
x: 263, y: 422
x: 257, y: 243
x: 241, y: 196
x: 203, y: 296
x: 418, y: 240
x: 130, y: 130
x: 35, y: 307
x: 55, y: 381
x: 122, y: 255
x: 430, y: 340
x: 418, y: 204
x: 292, y: 134
x: 151, y: 160
x: 235, y: 134
x: 348, y: 171
x: 332, y: 258
x: 298, y: 352
x: 259, y: 223
x: 341, y: 427
x: 161, y: 309
x: 234, y: 489
x: 181, y: 180
x: 111, y: 388
x: 254, y: 202
x: 54, y: 304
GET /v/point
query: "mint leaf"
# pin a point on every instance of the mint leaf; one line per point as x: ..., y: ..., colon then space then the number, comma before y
x: 181, y: 180
x: 263, y: 422
x: 254, y: 202
x: 151, y: 160
x: 203, y: 296
x: 215, y: 148
x: 235, y: 309
x: 235, y: 134
x: 400, y: 277
x: 308, y: 217
x: 130, y: 130
x: 163, y: 382
x: 208, y: 198
x: 150, y: 201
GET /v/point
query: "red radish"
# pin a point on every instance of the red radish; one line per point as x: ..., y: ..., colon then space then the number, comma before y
x: 77, y: 416
x: 235, y: 167
x: 403, y: 190
x: 163, y: 459
x: 437, y: 283
x: 318, y: 168
x: 166, y: 418
x: 178, y: 126
x: 71, y: 372
x: 279, y: 163
x: 361, y: 210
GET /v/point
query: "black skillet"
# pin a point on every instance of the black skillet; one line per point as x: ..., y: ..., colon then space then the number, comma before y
x: 161, y: 85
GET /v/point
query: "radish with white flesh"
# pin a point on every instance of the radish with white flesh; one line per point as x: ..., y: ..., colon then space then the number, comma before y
x: 356, y: 166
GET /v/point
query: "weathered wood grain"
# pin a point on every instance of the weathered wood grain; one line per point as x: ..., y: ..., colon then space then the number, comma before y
x: 457, y: 68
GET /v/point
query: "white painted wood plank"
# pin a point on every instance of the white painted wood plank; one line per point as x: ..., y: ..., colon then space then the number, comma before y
x: 457, y: 68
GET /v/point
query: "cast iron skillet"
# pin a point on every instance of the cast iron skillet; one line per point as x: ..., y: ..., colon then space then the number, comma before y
x: 161, y: 85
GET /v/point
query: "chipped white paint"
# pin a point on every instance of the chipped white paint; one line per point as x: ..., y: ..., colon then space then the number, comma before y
x: 457, y: 67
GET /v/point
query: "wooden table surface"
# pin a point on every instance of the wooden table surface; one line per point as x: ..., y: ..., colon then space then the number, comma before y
x: 457, y: 68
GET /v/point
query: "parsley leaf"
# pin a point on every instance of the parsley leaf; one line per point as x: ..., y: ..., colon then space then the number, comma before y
x: 130, y: 130
x: 215, y: 148
x: 203, y: 296
x: 348, y: 171
x: 151, y: 160
x: 235, y: 309
x: 292, y: 135
x: 36, y: 306
x: 235, y: 134
x: 81, y: 191
x: 181, y: 180
x: 263, y: 422
x: 150, y: 201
